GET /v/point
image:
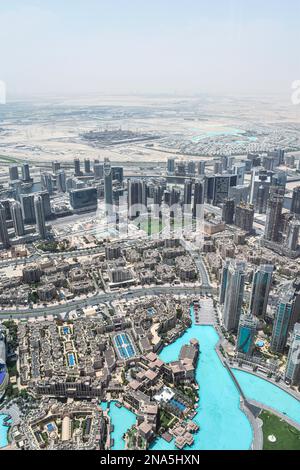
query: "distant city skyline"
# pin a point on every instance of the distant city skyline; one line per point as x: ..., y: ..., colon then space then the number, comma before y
x: 133, y: 47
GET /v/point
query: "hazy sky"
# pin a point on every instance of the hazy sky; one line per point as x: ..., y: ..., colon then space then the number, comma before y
x: 135, y: 46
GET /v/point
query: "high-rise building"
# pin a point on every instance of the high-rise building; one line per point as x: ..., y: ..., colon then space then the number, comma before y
x: 261, y: 285
x: 13, y: 173
x: 218, y: 167
x: 171, y: 165
x: 98, y: 170
x: 292, y: 238
x: 268, y: 163
x: 201, y: 168
x: 17, y: 217
x: 46, y: 182
x: 117, y: 173
x: 283, y: 316
x: 87, y: 165
x: 240, y: 171
x: 292, y: 371
x: 158, y: 192
x: 4, y: 237
x: 262, y: 199
x: 224, y: 281
x: 27, y: 203
x: 6, y: 203
x: 191, y: 168
x: 187, y: 194
x: 77, y: 171
x: 277, y: 155
x: 61, y: 181
x: 260, y: 178
x: 108, y: 189
x: 26, y: 172
x: 244, y: 216
x: 46, y: 203
x: 234, y: 295
x: 246, y: 334
x: 83, y: 199
x: 218, y: 187
x: 228, y: 211
x: 55, y: 167
x: 40, y: 217
x: 295, y: 207
x: 198, y: 200
x: 273, y: 217
x: 137, y: 197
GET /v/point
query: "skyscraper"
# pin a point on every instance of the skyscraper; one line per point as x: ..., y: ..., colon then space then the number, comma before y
x: 46, y: 182
x: 55, y: 167
x: 292, y: 237
x: 61, y: 181
x: 292, y: 371
x: 244, y: 216
x: 87, y: 165
x: 13, y: 173
x: 108, y: 191
x: 4, y: 237
x: 295, y: 207
x: 246, y: 334
x: 17, y: 217
x: 228, y: 211
x: 262, y: 199
x: 198, y: 199
x: 187, y: 195
x: 40, y: 217
x: 224, y: 281
x: 234, y: 295
x: 46, y: 203
x: 134, y: 191
x: 201, y: 168
x: 27, y: 203
x: 77, y: 171
x: 261, y: 285
x: 171, y: 165
x: 273, y: 218
x: 26, y: 172
x: 98, y: 170
x: 283, y: 315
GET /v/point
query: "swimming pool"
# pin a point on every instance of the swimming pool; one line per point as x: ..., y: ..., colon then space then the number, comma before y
x: 124, y: 346
x: 71, y: 359
x: 178, y: 404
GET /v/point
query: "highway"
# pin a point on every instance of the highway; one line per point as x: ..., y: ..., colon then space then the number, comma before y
x: 102, y: 297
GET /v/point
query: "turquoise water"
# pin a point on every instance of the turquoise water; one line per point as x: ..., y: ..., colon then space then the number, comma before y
x: 222, y: 424
x: 3, y: 432
x: 122, y: 419
x: 269, y: 394
x: 224, y: 131
x: 71, y: 359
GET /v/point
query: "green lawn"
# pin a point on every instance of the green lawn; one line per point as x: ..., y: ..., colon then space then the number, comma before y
x: 287, y: 437
x: 9, y: 159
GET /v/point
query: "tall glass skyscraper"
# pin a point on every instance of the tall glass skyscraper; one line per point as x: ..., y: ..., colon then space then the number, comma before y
x: 108, y: 192
x: 282, y: 321
x: 246, y: 334
x: 261, y: 285
x: 292, y: 371
x: 234, y: 295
